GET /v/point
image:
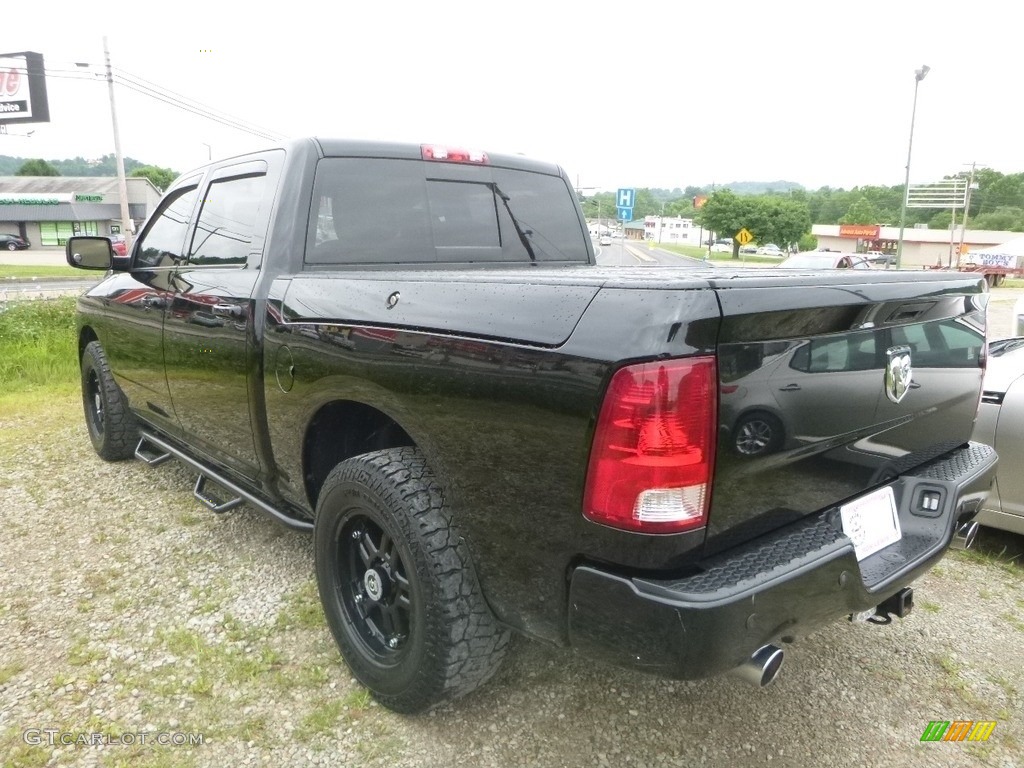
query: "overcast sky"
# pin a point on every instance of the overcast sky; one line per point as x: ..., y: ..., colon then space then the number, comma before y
x: 643, y: 93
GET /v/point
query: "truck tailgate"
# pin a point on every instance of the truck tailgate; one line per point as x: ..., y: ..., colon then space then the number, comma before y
x: 860, y: 378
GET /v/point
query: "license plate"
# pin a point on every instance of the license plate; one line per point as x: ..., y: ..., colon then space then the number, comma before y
x: 871, y: 522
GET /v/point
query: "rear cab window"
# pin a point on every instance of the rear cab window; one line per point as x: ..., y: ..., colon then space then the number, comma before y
x: 369, y: 211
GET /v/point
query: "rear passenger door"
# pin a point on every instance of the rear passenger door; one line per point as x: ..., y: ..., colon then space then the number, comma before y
x: 208, y: 347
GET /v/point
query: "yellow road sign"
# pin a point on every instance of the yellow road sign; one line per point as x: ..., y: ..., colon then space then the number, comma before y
x: 744, y: 236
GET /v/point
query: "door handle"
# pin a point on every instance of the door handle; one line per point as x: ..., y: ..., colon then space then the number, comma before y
x: 228, y: 310
x: 790, y: 388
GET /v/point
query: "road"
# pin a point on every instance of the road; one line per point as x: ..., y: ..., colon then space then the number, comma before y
x: 35, y: 257
x: 632, y: 253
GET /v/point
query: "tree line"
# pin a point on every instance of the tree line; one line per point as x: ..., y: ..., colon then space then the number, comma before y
x: 106, y: 166
x: 784, y: 216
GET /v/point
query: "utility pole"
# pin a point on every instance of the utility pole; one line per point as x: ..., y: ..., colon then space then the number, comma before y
x: 963, y: 220
x: 579, y: 194
x: 122, y: 184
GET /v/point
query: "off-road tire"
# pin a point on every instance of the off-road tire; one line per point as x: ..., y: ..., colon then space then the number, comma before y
x: 417, y: 631
x: 113, y: 429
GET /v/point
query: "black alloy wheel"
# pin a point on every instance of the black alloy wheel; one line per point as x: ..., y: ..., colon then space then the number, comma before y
x: 374, y: 588
x: 397, y: 583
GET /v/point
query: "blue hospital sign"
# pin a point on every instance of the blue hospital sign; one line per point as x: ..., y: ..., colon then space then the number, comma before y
x: 625, y: 198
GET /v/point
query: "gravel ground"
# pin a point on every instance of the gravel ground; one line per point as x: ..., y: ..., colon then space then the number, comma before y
x: 127, y: 610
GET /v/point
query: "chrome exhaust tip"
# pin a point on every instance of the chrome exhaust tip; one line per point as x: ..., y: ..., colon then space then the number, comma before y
x: 761, y: 668
x: 965, y: 536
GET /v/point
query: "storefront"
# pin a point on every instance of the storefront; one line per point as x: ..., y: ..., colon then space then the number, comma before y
x: 47, y: 210
x: 921, y: 247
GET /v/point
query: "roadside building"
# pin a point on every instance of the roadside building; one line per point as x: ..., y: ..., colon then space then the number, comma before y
x: 47, y: 210
x: 921, y: 247
x: 635, y: 230
x: 672, y: 230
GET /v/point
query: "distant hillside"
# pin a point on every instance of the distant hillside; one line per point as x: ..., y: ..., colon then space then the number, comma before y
x: 79, y: 166
x: 761, y: 187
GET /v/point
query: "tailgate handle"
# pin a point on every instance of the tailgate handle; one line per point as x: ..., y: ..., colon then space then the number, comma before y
x: 790, y: 388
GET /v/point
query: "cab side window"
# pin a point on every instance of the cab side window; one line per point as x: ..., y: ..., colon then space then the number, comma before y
x: 163, y: 242
x: 227, y: 221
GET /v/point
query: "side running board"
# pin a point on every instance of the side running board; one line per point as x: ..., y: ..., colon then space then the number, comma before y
x: 154, y: 450
x: 147, y: 452
x: 212, y: 503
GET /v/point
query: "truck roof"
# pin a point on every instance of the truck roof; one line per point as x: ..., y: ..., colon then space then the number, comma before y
x: 335, y: 147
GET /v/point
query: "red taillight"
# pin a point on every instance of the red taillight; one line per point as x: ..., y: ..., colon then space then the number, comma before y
x: 653, y: 455
x: 452, y: 154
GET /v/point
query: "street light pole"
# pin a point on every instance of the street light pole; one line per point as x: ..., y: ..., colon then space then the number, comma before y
x: 122, y: 183
x: 919, y: 75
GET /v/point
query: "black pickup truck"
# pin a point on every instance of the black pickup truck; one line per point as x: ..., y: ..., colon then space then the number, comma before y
x: 412, y: 353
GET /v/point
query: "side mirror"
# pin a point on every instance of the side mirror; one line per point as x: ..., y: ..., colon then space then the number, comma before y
x: 88, y: 252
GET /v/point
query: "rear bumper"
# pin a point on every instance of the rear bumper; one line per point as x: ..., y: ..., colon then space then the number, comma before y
x: 778, y: 587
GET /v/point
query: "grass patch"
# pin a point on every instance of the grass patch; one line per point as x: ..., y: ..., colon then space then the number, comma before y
x: 17, y: 753
x: 302, y: 609
x: 949, y: 665
x: 28, y: 271
x: 1014, y: 621
x: 929, y: 607
x: 37, y: 346
x: 1008, y: 564
x: 719, y: 258
x: 214, y: 663
x: 7, y: 671
x: 321, y: 720
x: 80, y: 654
x: 1012, y: 283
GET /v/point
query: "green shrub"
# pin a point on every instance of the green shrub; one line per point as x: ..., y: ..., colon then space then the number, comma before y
x: 37, y: 345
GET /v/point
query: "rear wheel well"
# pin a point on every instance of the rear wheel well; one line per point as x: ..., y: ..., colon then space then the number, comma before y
x: 341, y: 430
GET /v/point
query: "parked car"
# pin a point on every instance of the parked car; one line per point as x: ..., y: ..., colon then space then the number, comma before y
x: 748, y: 249
x: 771, y: 249
x: 790, y: 395
x: 120, y: 245
x: 722, y: 246
x: 824, y: 260
x: 1000, y: 417
x: 880, y: 258
x: 606, y: 240
x: 14, y: 243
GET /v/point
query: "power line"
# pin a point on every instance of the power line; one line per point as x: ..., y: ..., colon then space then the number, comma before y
x: 147, y: 88
x: 125, y: 77
x: 198, y: 111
